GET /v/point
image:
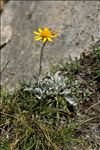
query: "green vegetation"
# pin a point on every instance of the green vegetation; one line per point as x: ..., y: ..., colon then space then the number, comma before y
x: 48, y: 115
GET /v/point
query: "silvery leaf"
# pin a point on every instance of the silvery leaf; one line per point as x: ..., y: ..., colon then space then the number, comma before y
x: 39, y: 97
x: 57, y: 76
x: 66, y: 91
x: 38, y: 90
x: 71, y: 101
x: 28, y: 89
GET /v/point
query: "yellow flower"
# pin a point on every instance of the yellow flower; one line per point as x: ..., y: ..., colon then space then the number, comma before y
x: 44, y: 35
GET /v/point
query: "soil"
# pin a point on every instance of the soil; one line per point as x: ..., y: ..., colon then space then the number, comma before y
x: 90, y: 108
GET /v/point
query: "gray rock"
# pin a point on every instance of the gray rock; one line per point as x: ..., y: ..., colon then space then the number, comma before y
x: 78, y: 23
x: 6, y: 33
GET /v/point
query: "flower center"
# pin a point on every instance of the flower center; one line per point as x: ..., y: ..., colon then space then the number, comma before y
x: 45, y: 34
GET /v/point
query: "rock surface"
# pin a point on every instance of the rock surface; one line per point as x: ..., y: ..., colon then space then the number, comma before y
x: 78, y: 23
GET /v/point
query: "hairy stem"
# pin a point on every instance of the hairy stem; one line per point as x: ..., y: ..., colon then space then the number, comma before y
x: 40, y: 62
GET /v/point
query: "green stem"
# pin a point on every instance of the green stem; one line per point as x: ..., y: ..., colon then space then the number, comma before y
x: 40, y: 62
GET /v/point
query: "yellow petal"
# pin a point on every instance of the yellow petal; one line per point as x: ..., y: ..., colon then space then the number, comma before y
x: 36, y: 37
x: 40, y: 30
x: 37, y: 33
x: 49, y: 39
x: 46, y: 29
x: 39, y: 38
x: 54, y: 36
x: 44, y: 40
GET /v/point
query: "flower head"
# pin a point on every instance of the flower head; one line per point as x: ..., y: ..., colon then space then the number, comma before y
x: 44, y: 35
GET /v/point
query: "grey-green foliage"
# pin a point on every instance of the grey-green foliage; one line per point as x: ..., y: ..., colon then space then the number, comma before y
x: 52, y: 86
